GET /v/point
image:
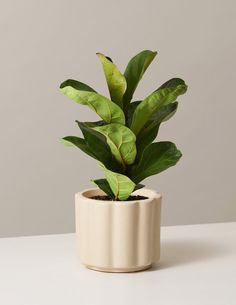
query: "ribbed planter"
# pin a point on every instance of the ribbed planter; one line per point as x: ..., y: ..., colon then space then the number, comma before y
x: 116, y: 236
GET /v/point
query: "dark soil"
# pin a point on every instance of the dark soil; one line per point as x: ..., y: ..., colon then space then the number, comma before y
x: 137, y: 197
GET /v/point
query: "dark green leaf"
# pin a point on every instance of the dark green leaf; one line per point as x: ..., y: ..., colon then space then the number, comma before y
x: 96, y: 143
x: 150, y: 131
x: 134, y: 72
x: 104, y: 186
x: 130, y: 111
x: 109, y: 58
x: 172, y: 83
x: 78, y: 142
x: 93, y: 124
x: 76, y: 85
x: 164, y: 113
x: 138, y: 186
x: 145, y: 138
x: 156, y: 158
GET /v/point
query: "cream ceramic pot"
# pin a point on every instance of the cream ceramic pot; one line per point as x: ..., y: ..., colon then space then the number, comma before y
x: 116, y: 236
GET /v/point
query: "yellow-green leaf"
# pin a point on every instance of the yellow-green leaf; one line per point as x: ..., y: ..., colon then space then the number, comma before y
x: 105, y: 108
x: 115, y: 80
x: 121, y: 185
x: 121, y: 141
x: 152, y: 103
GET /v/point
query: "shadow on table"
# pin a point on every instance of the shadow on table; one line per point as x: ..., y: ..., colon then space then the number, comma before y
x: 174, y: 253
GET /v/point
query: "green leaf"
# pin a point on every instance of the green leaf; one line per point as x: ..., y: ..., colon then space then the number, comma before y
x: 148, y: 134
x: 93, y: 124
x: 152, y: 103
x: 105, y: 108
x: 78, y: 142
x: 76, y: 85
x: 138, y: 186
x: 121, y: 185
x: 132, y: 106
x: 104, y: 186
x: 134, y: 72
x: 130, y: 112
x: 115, y: 80
x: 121, y: 141
x: 166, y: 112
x: 156, y: 158
x: 172, y: 83
x: 97, y: 144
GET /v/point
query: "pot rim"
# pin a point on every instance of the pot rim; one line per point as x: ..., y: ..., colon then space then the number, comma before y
x: 152, y: 194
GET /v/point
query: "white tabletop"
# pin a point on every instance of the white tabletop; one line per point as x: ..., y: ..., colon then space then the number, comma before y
x: 198, y: 267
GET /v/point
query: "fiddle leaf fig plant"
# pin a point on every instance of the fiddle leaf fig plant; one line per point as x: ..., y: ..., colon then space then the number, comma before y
x: 122, y: 140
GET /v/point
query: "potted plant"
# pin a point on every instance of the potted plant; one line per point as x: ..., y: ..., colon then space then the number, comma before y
x: 118, y: 222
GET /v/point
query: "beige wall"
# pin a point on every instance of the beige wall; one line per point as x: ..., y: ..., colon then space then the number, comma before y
x: 45, y: 42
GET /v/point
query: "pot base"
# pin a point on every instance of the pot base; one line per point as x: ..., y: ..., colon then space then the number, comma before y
x: 118, y: 270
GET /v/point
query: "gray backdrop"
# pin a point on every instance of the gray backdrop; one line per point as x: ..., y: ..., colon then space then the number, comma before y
x: 46, y: 42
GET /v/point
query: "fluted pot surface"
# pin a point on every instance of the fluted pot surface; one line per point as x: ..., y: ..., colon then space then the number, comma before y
x: 118, y: 236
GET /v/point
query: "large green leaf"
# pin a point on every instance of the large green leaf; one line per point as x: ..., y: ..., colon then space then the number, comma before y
x: 148, y: 134
x: 115, y: 80
x: 155, y: 117
x: 105, y: 108
x: 134, y: 72
x: 78, y: 142
x: 121, y: 185
x: 121, y: 141
x: 152, y: 103
x: 104, y: 186
x: 156, y: 158
x: 97, y: 144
